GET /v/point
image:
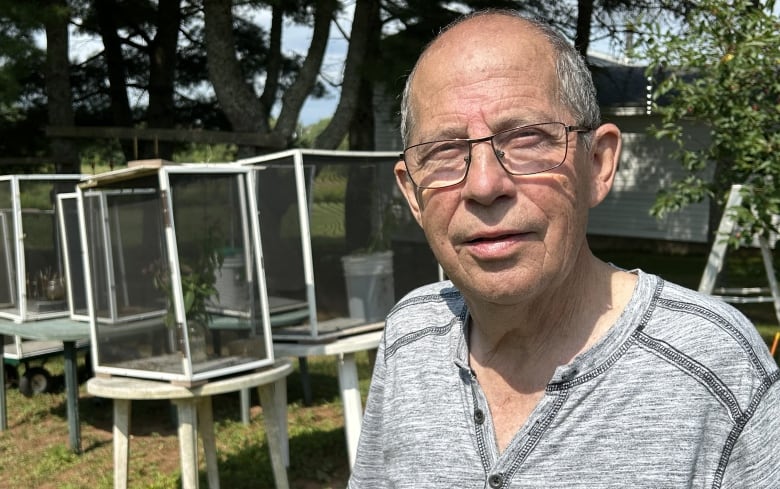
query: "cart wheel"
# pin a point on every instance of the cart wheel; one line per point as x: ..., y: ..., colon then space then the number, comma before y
x: 11, y: 376
x: 35, y: 380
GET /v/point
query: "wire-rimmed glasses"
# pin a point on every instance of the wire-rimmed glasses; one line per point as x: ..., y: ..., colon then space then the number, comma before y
x: 523, y: 150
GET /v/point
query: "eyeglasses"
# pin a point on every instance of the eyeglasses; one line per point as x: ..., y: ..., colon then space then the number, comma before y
x: 524, y: 150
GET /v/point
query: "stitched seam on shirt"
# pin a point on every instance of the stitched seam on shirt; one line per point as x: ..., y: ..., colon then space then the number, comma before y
x: 412, y: 337
x: 592, y: 374
x: 422, y: 299
x: 719, y: 321
x: 609, y: 362
x: 696, y: 370
x: 480, y: 430
x: 659, y: 287
x: 534, y: 435
x: 740, y: 426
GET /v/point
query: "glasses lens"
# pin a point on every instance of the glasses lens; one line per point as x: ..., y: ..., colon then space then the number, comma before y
x: 438, y: 163
x: 531, y: 149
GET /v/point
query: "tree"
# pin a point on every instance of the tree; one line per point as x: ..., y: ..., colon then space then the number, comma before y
x: 23, y: 67
x: 160, y: 60
x: 364, y: 37
x: 60, y: 105
x: 720, y: 68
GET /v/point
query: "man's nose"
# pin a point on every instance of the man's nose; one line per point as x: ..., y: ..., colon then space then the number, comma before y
x: 486, y: 178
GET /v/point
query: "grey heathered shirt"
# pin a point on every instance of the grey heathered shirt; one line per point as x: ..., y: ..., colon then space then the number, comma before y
x: 681, y: 392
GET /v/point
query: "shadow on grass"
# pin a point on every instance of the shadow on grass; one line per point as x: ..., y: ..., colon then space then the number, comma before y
x: 317, y: 459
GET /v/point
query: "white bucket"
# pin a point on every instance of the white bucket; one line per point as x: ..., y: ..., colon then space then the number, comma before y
x: 232, y: 285
x: 370, y: 288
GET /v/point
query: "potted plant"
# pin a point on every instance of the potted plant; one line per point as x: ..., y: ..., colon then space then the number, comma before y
x: 198, y: 287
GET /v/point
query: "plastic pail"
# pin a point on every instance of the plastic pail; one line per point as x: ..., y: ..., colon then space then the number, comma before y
x: 369, y: 280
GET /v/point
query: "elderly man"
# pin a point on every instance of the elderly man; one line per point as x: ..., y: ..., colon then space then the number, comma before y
x: 539, y: 365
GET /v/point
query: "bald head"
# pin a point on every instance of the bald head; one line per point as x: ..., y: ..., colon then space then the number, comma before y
x: 501, y: 41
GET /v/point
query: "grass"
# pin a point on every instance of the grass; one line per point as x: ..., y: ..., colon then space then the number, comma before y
x: 34, y: 453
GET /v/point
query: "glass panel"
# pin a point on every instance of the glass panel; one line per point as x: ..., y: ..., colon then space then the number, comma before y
x: 125, y: 242
x: 280, y: 227
x: 9, y: 300
x: 139, y: 330
x: 44, y: 268
x: 219, y: 289
x: 74, y: 263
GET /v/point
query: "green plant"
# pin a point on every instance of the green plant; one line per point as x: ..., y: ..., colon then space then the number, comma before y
x: 381, y: 238
x: 198, y: 284
x: 720, y: 69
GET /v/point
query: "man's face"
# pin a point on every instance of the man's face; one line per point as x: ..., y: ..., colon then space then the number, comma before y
x: 499, y: 237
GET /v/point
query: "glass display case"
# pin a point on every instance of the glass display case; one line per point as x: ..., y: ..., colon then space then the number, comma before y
x: 32, y: 284
x: 175, y: 287
x: 337, y: 219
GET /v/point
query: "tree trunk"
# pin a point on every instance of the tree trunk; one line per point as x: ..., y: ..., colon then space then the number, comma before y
x: 236, y: 97
x: 115, y: 64
x: 365, y: 26
x: 58, y: 91
x: 162, y: 73
x: 361, y: 182
x: 296, y: 95
x: 584, y: 16
x: 273, y: 68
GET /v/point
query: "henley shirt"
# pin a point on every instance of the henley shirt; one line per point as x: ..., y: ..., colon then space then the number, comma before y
x: 680, y: 392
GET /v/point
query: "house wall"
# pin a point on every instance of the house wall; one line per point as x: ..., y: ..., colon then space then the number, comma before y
x: 647, y: 165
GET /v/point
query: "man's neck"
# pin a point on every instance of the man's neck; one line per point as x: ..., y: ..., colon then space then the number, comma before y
x: 532, y: 339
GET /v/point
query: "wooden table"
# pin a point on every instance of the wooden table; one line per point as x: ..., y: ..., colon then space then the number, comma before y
x: 345, y: 349
x: 67, y: 331
x: 194, y: 415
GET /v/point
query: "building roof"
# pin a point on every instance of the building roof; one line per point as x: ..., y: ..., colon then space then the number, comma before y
x: 622, y: 88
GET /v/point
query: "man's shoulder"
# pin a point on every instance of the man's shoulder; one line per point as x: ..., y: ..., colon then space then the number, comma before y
x: 429, y: 307
x: 708, y: 337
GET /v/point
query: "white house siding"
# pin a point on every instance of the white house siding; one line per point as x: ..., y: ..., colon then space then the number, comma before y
x: 646, y: 165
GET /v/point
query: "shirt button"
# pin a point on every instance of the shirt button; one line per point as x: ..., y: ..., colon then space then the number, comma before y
x: 479, y: 416
x: 496, y: 480
x: 567, y: 376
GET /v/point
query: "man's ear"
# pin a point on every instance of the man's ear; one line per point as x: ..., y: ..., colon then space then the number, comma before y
x: 408, y: 190
x: 604, y: 158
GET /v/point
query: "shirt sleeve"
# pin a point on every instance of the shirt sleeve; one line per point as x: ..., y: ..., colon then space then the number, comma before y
x: 368, y: 472
x: 754, y: 461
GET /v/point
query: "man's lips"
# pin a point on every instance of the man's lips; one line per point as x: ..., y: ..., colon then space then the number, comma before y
x: 499, y: 237
x: 493, y: 237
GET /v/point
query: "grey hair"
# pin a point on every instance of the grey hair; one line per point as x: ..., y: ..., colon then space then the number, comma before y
x: 576, y: 91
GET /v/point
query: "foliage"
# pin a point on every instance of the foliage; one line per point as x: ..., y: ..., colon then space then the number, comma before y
x: 721, y: 69
x: 22, y: 100
x: 198, y: 283
x: 205, y: 153
x: 306, y: 135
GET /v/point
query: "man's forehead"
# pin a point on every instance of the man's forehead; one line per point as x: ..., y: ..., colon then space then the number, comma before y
x: 490, y: 32
x: 494, y: 44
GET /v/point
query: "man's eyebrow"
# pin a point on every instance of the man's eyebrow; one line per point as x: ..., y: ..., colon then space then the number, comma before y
x: 524, y: 120
x: 444, y: 133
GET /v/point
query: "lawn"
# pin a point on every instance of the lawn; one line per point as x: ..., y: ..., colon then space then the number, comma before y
x: 34, y: 453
